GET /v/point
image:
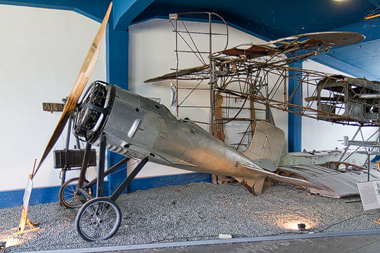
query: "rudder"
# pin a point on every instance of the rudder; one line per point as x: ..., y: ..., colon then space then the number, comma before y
x: 266, y: 146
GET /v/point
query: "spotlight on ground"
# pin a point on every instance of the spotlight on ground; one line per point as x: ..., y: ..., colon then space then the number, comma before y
x: 301, y: 226
x: 3, y: 244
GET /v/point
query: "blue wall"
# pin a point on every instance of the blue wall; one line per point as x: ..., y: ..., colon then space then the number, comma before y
x: 294, y: 120
x: 50, y: 194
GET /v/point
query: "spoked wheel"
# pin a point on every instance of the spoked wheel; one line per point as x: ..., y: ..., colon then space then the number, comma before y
x: 98, y: 219
x: 69, y: 196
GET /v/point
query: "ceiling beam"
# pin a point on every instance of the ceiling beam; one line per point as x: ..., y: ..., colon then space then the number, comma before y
x: 334, y: 63
x: 375, y: 2
x: 126, y: 10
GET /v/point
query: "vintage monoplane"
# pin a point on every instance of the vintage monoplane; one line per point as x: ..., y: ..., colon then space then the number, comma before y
x: 138, y: 127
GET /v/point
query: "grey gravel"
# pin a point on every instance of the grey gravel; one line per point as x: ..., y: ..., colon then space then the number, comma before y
x: 198, y: 211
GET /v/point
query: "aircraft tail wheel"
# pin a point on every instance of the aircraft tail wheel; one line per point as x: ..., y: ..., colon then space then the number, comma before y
x: 69, y: 195
x: 98, y: 219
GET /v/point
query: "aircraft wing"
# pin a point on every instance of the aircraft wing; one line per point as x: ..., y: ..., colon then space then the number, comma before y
x: 314, y: 42
x: 335, y: 39
x: 182, y: 74
x: 293, y: 43
x: 251, y: 50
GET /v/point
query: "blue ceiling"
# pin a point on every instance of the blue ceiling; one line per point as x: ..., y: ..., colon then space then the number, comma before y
x: 273, y: 19
x: 267, y: 19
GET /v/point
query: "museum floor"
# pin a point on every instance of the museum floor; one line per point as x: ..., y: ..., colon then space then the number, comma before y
x: 175, y: 218
x: 354, y: 244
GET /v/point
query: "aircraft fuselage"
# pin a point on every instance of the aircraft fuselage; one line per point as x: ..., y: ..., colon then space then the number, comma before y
x: 140, y: 127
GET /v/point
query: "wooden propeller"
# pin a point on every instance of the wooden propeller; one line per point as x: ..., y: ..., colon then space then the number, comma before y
x: 80, y: 83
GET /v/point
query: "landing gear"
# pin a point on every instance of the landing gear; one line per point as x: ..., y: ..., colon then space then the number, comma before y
x: 70, y: 196
x: 98, y: 219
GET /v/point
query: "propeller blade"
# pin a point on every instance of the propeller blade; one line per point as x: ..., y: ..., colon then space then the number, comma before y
x: 80, y: 83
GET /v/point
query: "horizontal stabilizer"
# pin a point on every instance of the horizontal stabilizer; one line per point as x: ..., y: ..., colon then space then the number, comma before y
x: 260, y: 173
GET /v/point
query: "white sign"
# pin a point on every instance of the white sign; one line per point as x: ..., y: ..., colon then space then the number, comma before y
x: 27, y: 193
x: 370, y: 194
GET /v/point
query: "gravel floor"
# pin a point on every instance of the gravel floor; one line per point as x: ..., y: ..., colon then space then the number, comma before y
x: 198, y: 211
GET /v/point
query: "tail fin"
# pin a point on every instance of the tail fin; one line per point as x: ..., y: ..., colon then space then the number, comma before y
x: 266, y: 146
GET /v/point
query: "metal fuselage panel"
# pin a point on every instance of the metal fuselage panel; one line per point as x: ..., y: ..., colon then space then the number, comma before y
x: 141, y: 127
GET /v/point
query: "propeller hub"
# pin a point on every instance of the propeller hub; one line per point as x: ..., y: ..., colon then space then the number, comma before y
x: 93, y: 110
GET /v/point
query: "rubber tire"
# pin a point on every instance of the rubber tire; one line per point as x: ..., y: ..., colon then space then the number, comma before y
x: 86, y: 217
x: 62, y: 193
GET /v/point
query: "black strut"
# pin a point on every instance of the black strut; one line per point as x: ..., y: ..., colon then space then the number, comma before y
x: 102, y: 154
x: 129, y: 179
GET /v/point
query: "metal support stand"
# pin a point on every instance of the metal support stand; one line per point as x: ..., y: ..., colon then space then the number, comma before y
x: 369, y: 165
x: 369, y: 153
x: 348, y: 146
x: 129, y: 179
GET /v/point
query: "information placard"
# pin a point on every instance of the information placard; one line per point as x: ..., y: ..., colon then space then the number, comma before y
x: 27, y: 193
x: 370, y: 194
x: 24, y: 221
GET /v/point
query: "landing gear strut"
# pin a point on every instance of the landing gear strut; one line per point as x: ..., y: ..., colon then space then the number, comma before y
x: 100, y: 217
